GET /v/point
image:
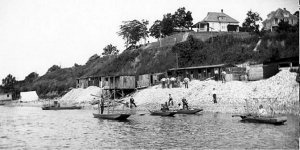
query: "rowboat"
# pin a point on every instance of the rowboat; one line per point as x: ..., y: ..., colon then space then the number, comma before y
x: 188, y: 111
x: 269, y: 120
x: 112, y: 116
x: 61, y: 108
x: 162, y: 113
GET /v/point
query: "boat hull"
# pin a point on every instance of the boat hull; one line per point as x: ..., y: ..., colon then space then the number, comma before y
x: 190, y: 111
x: 268, y: 120
x: 112, y: 116
x: 61, y: 108
x: 161, y: 113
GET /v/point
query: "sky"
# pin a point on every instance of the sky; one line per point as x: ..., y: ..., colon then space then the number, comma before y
x: 36, y: 34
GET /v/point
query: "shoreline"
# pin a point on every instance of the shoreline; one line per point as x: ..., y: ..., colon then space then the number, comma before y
x: 207, y: 107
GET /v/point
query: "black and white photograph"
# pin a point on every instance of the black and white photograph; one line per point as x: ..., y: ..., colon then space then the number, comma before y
x: 149, y: 74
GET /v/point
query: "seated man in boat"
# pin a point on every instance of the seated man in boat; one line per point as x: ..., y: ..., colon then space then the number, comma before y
x: 164, y: 107
x: 132, y: 103
x: 185, y: 103
x: 262, y: 112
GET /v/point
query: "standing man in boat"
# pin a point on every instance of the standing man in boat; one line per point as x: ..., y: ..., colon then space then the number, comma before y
x: 102, y: 103
x: 185, y: 104
x: 170, y: 100
x: 132, y: 102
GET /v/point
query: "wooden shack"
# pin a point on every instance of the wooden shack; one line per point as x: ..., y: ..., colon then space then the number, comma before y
x: 199, y: 72
x: 144, y: 80
x: 118, y: 82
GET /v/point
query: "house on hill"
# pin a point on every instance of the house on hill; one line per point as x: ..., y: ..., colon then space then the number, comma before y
x: 217, y: 21
x: 271, y: 23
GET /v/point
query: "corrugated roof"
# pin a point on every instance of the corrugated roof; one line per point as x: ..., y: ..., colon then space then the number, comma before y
x: 200, y: 67
x: 219, y: 17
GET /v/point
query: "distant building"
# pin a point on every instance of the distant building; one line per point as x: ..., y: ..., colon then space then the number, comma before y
x: 271, y: 23
x: 217, y: 21
x: 5, y: 97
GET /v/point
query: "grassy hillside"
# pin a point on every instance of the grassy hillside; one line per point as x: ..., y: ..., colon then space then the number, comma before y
x: 191, y: 51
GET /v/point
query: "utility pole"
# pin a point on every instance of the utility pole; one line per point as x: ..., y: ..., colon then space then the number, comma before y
x: 176, y: 61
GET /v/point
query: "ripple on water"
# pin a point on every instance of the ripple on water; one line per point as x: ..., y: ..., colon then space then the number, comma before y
x: 79, y: 130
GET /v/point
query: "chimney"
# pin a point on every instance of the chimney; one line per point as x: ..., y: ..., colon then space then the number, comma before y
x: 284, y: 9
x: 221, y: 10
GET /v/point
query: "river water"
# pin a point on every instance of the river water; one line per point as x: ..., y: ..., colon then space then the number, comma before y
x: 33, y: 128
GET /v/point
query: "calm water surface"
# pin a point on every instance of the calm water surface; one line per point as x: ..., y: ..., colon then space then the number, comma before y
x: 33, y: 128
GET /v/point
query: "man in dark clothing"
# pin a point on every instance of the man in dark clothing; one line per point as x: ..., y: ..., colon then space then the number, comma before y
x: 170, y: 100
x: 102, y: 104
x: 185, y: 103
x: 132, y: 102
x: 214, y: 96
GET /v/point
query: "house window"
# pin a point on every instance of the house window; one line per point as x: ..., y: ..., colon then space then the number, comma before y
x: 7, y: 95
x: 276, y: 20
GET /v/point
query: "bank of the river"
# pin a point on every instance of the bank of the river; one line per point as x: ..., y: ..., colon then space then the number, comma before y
x: 279, y: 92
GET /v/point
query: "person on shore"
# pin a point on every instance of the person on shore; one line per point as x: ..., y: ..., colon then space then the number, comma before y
x: 170, y: 100
x: 102, y: 104
x: 186, y: 82
x: 163, y: 81
x: 261, y: 111
x: 132, y: 103
x: 214, y: 96
x: 168, y: 82
x: 223, y: 74
x: 216, y: 71
x: 172, y: 80
x: 184, y: 104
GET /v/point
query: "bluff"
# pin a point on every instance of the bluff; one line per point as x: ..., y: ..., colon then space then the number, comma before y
x: 190, y: 49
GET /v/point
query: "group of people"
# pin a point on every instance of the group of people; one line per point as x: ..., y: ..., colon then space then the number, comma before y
x: 172, y: 82
x: 168, y: 82
x: 165, y: 106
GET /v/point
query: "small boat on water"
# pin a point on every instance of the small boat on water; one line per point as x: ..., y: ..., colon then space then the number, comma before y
x: 60, y: 108
x: 188, y: 111
x: 56, y: 106
x: 162, y: 113
x: 112, y: 116
x: 269, y: 120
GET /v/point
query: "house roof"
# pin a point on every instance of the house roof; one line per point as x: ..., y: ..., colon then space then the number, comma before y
x: 219, y: 17
x: 279, y: 14
x: 200, y: 67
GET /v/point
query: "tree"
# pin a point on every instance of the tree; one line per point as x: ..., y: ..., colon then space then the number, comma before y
x: 155, y: 29
x: 110, y: 50
x: 8, y: 83
x: 183, y: 19
x: 167, y: 25
x: 251, y: 22
x: 53, y: 68
x: 296, y: 14
x: 31, y: 77
x: 133, y: 31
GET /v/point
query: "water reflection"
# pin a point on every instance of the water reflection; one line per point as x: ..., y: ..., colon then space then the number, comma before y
x: 32, y: 128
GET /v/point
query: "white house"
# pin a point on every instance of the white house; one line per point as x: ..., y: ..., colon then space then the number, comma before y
x: 29, y: 96
x: 217, y: 21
